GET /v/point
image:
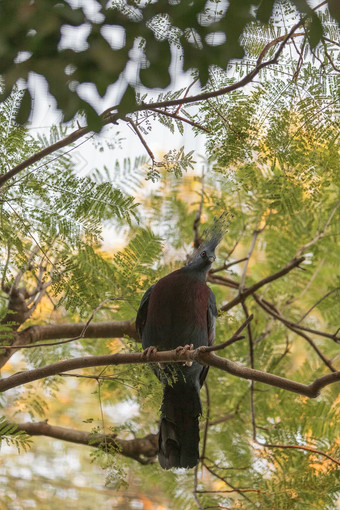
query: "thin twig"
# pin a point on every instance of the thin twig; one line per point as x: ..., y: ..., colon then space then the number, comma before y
x: 317, y: 303
x: 251, y: 249
x: 305, y: 289
x: 227, y: 266
x: 319, y: 235
x: 141, y: 137
x: 236, y: 336
x: 206, y: 426
x: 332, y: 42
x: 274, y: 43
x: 180, y: 118
x: 252, y: 364
x: 233, y: 488
x: 298, y: 447
x: 287, y: 322
x: 247, y: 291
x: 292, y: 327
x: 225, y: 120
x: 337, y: 69
x: 186, y: 94
x: 197, y: 237
x: 3, y: 286
x: 195, y: 488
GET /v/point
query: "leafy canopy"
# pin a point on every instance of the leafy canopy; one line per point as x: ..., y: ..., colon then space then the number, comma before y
x: 70, y: 46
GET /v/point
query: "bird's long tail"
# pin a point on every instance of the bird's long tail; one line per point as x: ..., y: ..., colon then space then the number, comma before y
x: 179, y: 428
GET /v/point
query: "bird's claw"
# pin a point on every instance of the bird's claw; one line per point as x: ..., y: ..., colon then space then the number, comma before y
x: 147, y: 353
x: 186, y: 347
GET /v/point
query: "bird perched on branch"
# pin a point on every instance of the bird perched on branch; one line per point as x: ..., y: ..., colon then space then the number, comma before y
x: 179, y: 312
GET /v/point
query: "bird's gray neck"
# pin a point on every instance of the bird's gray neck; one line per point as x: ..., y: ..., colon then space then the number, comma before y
x: 197, y: 271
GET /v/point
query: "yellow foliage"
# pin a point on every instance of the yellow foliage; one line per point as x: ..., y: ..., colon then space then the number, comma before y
x: 44, y: 310
x: 115, y: 345
x: 321, y: 467
x: 218, y: 485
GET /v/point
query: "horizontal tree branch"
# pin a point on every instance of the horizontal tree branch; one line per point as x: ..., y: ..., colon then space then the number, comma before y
x: 34, y: 334
x: 143, y: 449
x: 204, y: 358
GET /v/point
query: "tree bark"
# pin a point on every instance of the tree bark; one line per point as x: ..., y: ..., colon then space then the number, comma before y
x: 34, y: 334
x: 204, y: 358
x: 142, y: 449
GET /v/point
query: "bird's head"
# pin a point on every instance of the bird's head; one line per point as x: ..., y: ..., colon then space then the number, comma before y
x: 204, y: 255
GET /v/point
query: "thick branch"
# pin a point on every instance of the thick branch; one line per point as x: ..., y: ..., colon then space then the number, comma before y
x: 142, y: 449
x: 312, y: 390
x: 94, y: 330
x: 33, y: 334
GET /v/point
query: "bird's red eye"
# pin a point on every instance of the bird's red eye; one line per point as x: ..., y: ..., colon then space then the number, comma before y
x: 203, y: 254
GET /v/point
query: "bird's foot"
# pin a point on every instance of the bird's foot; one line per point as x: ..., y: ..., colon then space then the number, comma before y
x: 187, y: 347
x: 147, y: 353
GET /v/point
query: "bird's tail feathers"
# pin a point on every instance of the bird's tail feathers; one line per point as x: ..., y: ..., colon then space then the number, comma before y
x: 179, y: 427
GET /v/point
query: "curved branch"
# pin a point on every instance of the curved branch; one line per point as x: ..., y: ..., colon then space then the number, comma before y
x: 143, y: 449
x: 181, y: 119
x: 204, y: 358
x: 298, y: 447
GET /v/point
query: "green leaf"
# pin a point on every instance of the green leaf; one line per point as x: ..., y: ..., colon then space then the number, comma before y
x: 265, y: 10
x: 128, y: 101
x: 25, y: 108
x: 315, y: 32
x: 94, y: 121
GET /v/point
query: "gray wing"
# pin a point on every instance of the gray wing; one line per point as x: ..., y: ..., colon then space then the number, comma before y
x: 143, y: 311
x: 211, y: 321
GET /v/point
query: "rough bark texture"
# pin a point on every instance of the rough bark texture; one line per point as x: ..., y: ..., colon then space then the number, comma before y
x: 34, y: 334
x: 142, y: 449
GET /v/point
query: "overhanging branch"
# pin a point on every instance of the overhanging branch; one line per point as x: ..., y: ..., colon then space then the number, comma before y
x: 111, y: 118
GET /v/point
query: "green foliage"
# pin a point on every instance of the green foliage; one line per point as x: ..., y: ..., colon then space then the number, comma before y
x: 36, y: 38
x: 175, y: 161
x: 10, y: 435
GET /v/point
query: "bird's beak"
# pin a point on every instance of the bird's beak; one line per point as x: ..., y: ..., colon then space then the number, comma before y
x: 212, y: 258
